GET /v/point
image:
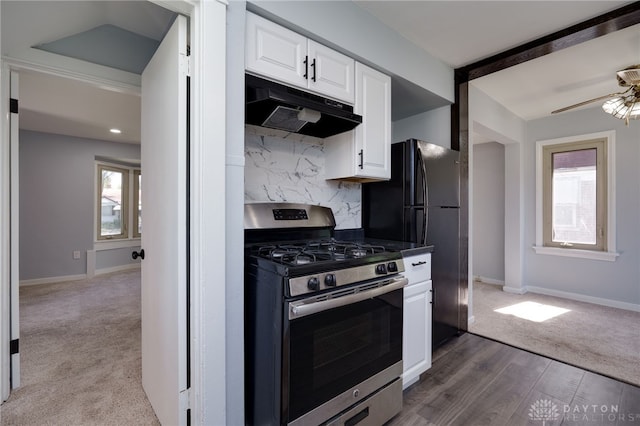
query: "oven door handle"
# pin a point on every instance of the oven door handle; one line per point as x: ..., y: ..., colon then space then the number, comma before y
x: 302, y: 308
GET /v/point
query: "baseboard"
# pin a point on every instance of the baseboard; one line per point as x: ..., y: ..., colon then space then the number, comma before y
x: 118, y: 268
x: 515, y: 290
x: 486, y: 280
x: 50, y: 280
x: 583, y: 298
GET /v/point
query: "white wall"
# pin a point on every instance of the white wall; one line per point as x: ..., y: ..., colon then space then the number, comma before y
x: 618, y: 281
x: 432, y: 126
x: 490, y: 121
x: 234, y: 204
x: 488, y: 213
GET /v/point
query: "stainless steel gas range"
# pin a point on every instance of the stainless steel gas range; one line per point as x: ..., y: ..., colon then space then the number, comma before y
x: 323, y: 321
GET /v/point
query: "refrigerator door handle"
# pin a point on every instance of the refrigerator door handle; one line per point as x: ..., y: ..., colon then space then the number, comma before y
x: 425, y: 194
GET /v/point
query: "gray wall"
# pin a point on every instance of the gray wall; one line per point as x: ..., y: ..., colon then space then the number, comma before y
x: 432, y: 126
x: 619, y: 280
x: 57, y: 201
x: 488, y: 211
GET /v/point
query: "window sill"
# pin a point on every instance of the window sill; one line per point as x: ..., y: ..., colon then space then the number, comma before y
x: 608, y: 256
x: 115, y: 244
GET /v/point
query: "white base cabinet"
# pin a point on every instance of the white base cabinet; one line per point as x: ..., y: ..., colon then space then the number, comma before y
x: 416, y: 338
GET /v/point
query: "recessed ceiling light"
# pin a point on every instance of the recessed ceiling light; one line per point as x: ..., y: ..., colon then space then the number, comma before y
x: 117, y: 131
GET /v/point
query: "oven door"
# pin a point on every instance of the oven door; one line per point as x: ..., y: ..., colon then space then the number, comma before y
x: 339, y: 347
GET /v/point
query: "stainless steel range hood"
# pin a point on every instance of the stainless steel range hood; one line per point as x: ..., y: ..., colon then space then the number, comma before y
x: 273, y: 105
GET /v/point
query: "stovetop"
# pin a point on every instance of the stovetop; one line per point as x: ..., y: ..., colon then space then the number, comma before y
x: 294, y: 244
x: 310, y: 266
x: 313, y: 251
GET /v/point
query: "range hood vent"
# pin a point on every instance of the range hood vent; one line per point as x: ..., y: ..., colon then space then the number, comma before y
x: 273, y: 105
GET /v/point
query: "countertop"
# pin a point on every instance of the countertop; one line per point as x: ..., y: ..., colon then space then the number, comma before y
x: 406, y: 248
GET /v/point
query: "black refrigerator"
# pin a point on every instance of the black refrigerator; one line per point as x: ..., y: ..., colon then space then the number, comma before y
x: 421, y: 204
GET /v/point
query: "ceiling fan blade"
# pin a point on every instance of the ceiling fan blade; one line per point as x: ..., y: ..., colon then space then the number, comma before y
x: 610, y: 95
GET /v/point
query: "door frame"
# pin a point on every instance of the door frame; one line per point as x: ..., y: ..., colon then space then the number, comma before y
x: 207, y: 208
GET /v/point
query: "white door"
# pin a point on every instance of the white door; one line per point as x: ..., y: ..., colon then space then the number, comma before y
x: 164, y: 226
x: 15, y: 238
x: 14, y: 292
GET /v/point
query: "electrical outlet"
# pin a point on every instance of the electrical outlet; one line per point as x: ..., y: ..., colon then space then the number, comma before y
x: 76, y: 254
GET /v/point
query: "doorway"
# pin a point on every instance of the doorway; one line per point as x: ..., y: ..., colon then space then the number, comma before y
x: 57, y: 218
x: 208, y: 37
x: 67, y: 190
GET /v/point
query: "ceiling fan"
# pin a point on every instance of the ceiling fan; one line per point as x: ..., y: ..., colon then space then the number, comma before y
x: 624, y: 105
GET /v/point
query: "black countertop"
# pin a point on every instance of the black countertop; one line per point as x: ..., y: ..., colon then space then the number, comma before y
x: 405, y: 247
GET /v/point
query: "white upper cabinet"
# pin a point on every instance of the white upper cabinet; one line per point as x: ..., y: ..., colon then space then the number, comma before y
x: 364, y: 153
x: 275, y: 52
x: 330, y: 73
x: 280, y: 54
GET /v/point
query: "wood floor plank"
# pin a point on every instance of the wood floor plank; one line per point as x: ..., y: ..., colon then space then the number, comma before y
x: 599, y: 390
x: 478, y: 381
x: 409, y: 419
x: 560, y: 381
x: 629, y: 410
x: 466, y: 382
x: 525, y: 414
x: 498, y: 402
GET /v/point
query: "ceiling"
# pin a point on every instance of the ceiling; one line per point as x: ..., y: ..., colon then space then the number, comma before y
x: 463, y: 32
x: 456, y: 32
x: 66, y: 106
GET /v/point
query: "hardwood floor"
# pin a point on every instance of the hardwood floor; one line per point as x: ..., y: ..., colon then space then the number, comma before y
x: 477, y: 381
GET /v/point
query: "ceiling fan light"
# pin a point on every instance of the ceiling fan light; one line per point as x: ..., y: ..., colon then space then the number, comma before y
x: 612, y: 106
x: 621, y: 109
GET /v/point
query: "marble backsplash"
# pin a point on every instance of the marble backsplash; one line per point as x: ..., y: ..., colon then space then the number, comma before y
x: 289, y: 167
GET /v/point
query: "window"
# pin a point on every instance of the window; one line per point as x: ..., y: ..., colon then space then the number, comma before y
x: 114, y: 218
x: 575, y: 195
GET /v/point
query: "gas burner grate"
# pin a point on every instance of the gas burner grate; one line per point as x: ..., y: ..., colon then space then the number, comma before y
x: 305, y: 252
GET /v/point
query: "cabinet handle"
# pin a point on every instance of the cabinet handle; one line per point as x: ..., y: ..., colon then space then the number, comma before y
x: 422, y: 262
x: 306, y: 67
x: 313, y: 65
x: 361, y: 154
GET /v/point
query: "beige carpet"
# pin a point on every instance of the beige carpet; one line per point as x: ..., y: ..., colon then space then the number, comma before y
x: 598, y: 338
x: 80, y: 355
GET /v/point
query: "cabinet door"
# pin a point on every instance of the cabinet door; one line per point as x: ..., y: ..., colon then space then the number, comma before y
x: 275, y: 52
x: 373, y: 136
x: 365, y: 152
x: 331, y: 73
x: 416, y: 335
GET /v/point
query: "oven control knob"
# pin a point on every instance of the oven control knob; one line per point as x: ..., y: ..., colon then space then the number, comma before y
x: 392, y: 267
x: 330, y: 280
x: 381, y: 269
x: 313, y: 283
